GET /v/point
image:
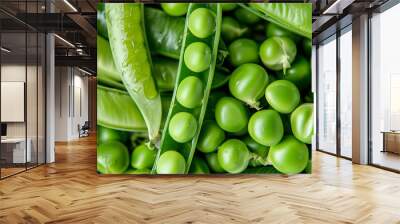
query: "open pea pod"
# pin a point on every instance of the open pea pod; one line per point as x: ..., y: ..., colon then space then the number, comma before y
x: 107, y: 73
x: 116, y: 110
x: 168, y: 143
x: 126, y: 32
x: 296, y: 17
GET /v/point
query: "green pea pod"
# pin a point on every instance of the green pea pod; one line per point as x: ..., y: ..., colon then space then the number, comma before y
x: 116, y: 110
x: 186, y: 144
x: 105, y: 64
x: 165, y: 34
x: 105, y: 81
x: 165, y: 71
x: 101, y: 21
x: 296, y: 17
x: 128, y: 43
x: 107, y: 73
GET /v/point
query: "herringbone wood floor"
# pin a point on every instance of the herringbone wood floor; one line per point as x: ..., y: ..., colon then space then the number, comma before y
x: 70, y: 191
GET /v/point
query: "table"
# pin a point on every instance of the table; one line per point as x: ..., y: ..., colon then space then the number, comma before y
x: 18, y: 149
x: 391, y: 141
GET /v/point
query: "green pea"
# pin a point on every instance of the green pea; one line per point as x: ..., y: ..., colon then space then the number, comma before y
x: 182, y: 127
x: 107, y: 134
x: 266, y: 127
x: 248, y: 83
x: 199, y: 166
x: 201, y: 23
x: 245, y: 16
x: 243, y: 51
x: 283, y: 96
x: 211, y: 136
x: 278, y: 53
x: 190, y: 92
x: 197, y: 57
x: 302, y: 122
x: 231, y: 115
x: 171, y: 162
x: 143, y: 157
x: 233, y: 156
x: 175, y: 9
x: 273, y: 30
x: 112, y: 158
x: 231, y: 29
x: 212, y: 160
x: 228, y: 6
x: 290, y: 156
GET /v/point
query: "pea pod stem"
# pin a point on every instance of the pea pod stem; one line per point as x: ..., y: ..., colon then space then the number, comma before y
x: 285, y: 57
x: 254, y: 104
x: 259, y: 160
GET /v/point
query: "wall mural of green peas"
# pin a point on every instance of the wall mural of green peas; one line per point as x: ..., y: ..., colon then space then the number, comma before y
x: 204, y: 88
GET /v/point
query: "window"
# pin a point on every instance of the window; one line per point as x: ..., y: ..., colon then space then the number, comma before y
x: 327, y: 96
x: 346, y: 92
x: 385, y: 89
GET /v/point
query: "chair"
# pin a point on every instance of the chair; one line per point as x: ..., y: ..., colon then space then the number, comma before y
x: 84, y: 130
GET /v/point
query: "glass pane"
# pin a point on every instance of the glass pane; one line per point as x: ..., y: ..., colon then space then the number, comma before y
x: 13, y: 86
x: 385, y: 84
x: 327, y: 96
x: 346, y: 94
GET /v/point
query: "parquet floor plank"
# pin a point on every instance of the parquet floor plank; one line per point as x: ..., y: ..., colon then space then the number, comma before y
x: 70, y: 191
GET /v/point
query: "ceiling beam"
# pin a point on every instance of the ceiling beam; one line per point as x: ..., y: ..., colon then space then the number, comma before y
x: 79, y: 61
x: 86, y: 26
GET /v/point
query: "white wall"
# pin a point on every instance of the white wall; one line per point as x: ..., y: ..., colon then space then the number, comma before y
x: 62, y: 81
x: 71, y: 94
